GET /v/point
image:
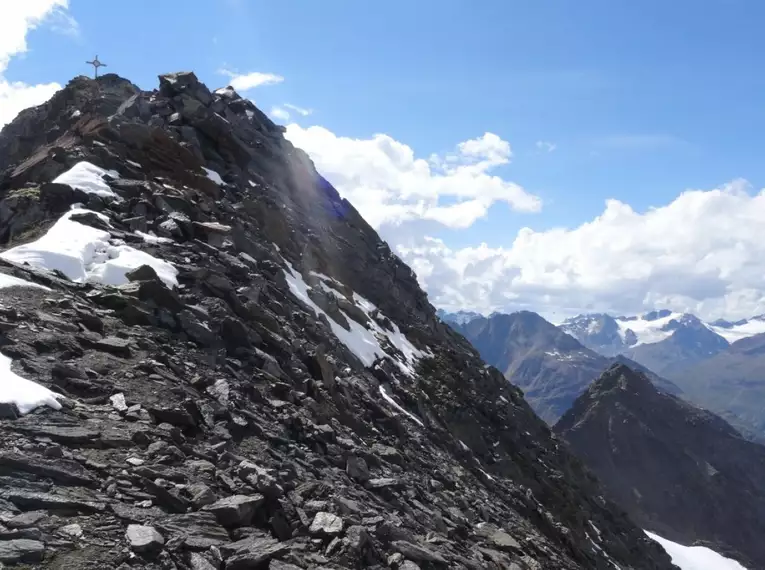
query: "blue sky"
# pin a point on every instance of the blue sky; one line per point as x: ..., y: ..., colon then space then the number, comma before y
x: 641, y: 100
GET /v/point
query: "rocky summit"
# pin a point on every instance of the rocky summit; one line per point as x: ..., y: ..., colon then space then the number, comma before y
x: 212, y: 362
x: 678, y: 470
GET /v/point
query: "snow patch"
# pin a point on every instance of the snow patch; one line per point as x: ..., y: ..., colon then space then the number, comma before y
x: 89, y: 178
x: 7, y: 281
x: 214, y: 176
x: 132, y: 163
x: 364, y: 342
x: 150, y: 238
x: 27, y: 395
x: 86, y: 254
x: 393, y: 403
x: 695, y: 557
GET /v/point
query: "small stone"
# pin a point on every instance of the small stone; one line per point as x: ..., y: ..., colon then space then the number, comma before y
x: 142, y: 273
x: 199, y: 562
x: 144, y: 539
x: 135, y: 461
x: 118, y: 402
x: 73, y: 530
x: 326, y: 524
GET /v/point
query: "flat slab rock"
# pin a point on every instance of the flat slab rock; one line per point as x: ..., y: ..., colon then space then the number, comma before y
x: 236, y: 510
x: 21, y: 550
x: 144, y: 539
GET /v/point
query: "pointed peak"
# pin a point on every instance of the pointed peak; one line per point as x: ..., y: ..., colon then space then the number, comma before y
x: 621, y: 377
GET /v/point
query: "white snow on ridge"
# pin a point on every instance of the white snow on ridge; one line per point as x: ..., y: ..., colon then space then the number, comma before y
x: 85, y: 254
x: 89, y: 178
x: 646, y: 331
x: 737, y: 332
x: 214, y: 176
x: 7, y: 281
x: 364, y: 342
x: 27, y: 395
x: 695, y: 557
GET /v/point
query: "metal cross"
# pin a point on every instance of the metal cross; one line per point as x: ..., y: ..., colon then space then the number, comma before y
x: 96, y: 64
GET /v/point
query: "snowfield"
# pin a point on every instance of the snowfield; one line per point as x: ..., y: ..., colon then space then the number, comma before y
x: 695, y: 557
x: 86, y: 254
x: 646, y: 331
x: 753, y: 326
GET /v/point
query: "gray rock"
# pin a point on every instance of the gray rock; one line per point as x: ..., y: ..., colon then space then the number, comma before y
x: 74, y: 530
x: 357, y: 469
x: 114, y: 345
x: 142, y: 273
x: 118, y: 402
x: 236, y: 510
x: 503, y: 541
x: 144, y: 539
x: 326, y: 524
x: 417, y: 552
x: 21, y: 550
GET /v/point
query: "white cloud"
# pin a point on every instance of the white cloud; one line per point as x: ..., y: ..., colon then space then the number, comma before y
x: 280, y: 113
x: 247, y: 81
x: 390, y: 186
x: 546, y: 146
x: 18, y: 18
x: 702, y: 253
x: 302, y: 111
x: 17, y: 96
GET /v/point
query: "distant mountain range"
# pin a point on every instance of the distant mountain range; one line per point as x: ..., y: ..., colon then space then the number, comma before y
x: 719, y: 365
x: 550, y: 366
x: 676, y: 469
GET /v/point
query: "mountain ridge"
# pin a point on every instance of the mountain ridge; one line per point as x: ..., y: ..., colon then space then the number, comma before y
x: 284, y: 404
x: 678, y: 470
x: 549, y: 365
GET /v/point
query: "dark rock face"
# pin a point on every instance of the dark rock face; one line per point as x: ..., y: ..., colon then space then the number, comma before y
x: 551, y: 367
x: 223, y: 424
x: 678, y: 470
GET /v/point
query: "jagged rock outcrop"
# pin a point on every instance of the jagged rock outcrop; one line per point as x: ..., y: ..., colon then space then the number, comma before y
x: 678, y: 470
x: 270, y: 387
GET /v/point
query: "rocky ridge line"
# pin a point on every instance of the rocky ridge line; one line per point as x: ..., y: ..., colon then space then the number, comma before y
x: 222, y: 424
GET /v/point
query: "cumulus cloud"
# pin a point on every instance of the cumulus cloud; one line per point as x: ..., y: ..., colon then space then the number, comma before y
x: 391, y: 186
x: 248, y: 81
x: 17, y: 96
x: 701, y: 253
x: 18, y: 18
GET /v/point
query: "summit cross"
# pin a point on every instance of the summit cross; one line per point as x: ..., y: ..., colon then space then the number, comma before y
x: 96, y: 64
